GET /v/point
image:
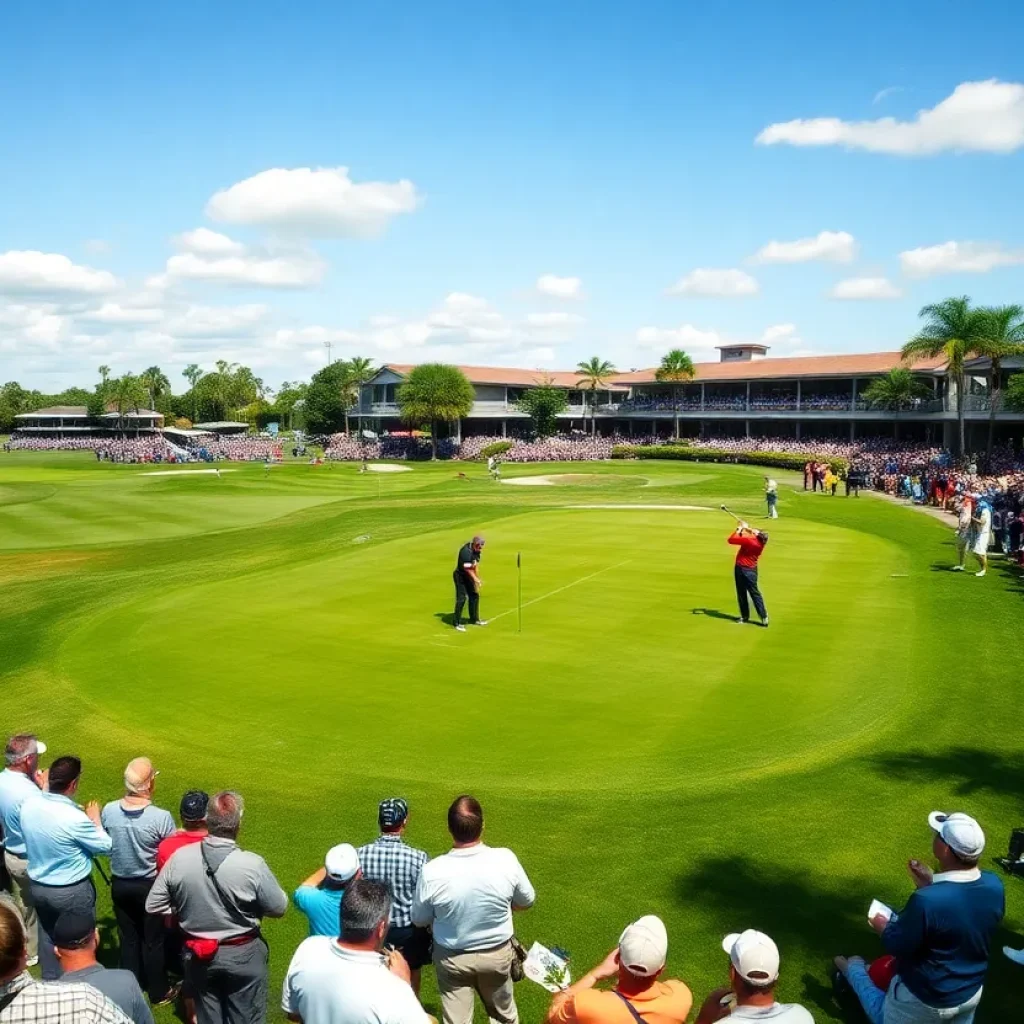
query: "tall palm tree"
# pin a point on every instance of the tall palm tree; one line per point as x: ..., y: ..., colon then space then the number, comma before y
x: 953, y: 331
x: 1002, y: 338
x: 677, y: 368
x: 896, y: 391
x: 192, y: 373
x: 361, y: 371
x: 156, y: 383
x: 104, y: 372
x: 127, y: 393
x: 593, y: 374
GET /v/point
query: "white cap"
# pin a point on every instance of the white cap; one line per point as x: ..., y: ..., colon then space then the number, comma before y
x: 643, y: 946
x: 960, y: 832
x: 342, y: 862
x: 40, y: 747
x: 754, y: 955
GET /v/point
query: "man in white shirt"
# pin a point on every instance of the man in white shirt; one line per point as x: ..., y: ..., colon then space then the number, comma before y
x: 753, y: 974
x: 467, y: 897
x: 20, y: 780
x: 346, y: 980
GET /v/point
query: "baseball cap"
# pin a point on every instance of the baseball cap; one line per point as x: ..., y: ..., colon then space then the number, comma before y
x: 754, y: 955
x: 73, y: 930
x: 392, y: 812
x: 342, y: 862
x: 960, y: 832
x: 139, y: 774
x: 193, y: 805
x: 643, y: 946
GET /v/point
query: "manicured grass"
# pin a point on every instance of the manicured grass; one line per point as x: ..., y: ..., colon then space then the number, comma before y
x: 281, y: 634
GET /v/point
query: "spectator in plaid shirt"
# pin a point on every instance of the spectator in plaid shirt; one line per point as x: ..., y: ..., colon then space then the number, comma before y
x: 26, y: 1001
x: 390, y: 860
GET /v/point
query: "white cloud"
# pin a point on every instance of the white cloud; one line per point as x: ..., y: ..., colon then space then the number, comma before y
x: 701, y: 344
x: 116, y: 313
x: 560, y: 287
x: 217, y: 321
x: 777, y: 333
x: 322, y: 202
x: 97, y: 246
x: 958, y: 257
x: 208, y: 243
x: 707, y: 282
x: 50, y: 274
x: 831, y: 246
x: 885, y: 93
x: 866, y: 288
x: 976, y: 117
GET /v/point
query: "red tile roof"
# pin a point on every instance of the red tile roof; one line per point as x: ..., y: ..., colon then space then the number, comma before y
x: 506, y: 375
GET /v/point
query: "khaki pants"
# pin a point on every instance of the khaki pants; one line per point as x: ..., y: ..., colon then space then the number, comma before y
x: 17, y: 868
x: 460, y: 975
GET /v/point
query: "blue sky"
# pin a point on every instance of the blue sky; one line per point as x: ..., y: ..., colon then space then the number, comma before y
x: 612, y: 147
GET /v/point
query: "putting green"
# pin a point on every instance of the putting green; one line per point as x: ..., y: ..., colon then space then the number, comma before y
x: 283, y: 633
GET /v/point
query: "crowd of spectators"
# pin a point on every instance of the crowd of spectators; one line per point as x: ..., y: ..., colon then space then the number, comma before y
x: 346, y: 448
x: 774, y: 401
x: 189, y: 903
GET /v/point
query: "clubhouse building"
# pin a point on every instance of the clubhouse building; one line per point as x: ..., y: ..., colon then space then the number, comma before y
x: 745, y: 394
x: 75, y: 421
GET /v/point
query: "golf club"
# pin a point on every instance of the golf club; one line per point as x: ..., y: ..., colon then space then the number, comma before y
x: 733, y: 514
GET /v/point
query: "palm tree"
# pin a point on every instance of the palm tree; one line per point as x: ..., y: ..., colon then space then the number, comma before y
x: 156, y: 383
x: 676, y: 367
x: 897, y: 390
x: 192, y: 373
x: 127, y: 393
x: 953, y: 331
x: 1002, y: 338
x: 435, y: 393
x: 361, y: 371
x: 593, y: 374
x: 104, y: 372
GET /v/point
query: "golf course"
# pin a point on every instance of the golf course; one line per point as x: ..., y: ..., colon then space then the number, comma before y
x: 286, y: 633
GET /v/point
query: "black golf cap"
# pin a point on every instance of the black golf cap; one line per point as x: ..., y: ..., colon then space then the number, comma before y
x: 73, y: 930
x: 193, y: 805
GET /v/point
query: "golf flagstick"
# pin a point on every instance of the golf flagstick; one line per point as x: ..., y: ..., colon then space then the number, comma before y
x: 519, y: 571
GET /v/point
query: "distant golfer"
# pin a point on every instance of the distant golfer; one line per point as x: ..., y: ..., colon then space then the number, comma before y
x: 964, y: 532
x: 750, y: 543
x: 494, y: 468
x: 468, y: 583
x: 771, y: 494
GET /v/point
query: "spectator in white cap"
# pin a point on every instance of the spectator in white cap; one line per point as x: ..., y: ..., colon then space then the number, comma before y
x: 753, y: 975
x: 319, y: 896
x: 637, y: 963
x: 19, y: 780
x: 941, y: 938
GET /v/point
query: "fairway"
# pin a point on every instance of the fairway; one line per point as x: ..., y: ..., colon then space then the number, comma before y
x: 285, y: 634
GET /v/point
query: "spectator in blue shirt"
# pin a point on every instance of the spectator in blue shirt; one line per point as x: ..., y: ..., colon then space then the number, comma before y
x: 20, y: 780
x: 136, y: 828
x: 319, y: 896
x: 941, y: 939
x: 61, y: 840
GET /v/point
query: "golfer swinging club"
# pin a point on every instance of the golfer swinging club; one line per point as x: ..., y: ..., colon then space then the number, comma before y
x: 468, y: 583
x: 750, y: 543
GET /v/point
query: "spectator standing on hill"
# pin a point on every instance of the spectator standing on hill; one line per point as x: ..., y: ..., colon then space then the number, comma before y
x: 637, y: 964
x: 61, y: 841
x: 389, y: 859
x: 468, y: 583
x: 771, y: 493
x: 982, y: 534
x: 76, y: 941
x: 136, y: 828
x: 941, y: 939
x: 467, y: 897
x: 220, y: 894
x: 750, y: 543
x: 319, y: 896
x: 20, y: 780
x: 192, y: 811
x: 347, y: 980
x: 808, y: 472
x: 23, y: 1000
x: 964, y: 532
x: 753, y: 974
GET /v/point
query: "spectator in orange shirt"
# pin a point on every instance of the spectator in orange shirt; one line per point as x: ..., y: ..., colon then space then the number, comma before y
x: 639, y: 997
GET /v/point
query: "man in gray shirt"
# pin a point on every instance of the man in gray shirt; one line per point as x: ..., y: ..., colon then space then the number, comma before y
x: 220, y: 894
x: 76, y: 939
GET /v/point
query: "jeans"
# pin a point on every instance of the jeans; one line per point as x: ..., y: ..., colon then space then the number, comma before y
x: 899, y: 1005
x: 51, y: 901
x: 141, y: 935
x: 746, y: 584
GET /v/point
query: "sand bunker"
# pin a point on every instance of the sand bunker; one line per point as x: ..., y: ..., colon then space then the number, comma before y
x: 387, y: 467
x: 530, y: 481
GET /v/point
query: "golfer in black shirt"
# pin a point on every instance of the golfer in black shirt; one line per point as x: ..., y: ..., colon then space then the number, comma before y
x: 468, y: 583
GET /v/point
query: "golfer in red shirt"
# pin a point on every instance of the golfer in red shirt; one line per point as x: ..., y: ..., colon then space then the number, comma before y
x: 750, y: 543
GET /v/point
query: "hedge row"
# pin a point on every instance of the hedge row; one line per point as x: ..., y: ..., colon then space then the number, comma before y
x: 777, y: 460
x: 497, y: 448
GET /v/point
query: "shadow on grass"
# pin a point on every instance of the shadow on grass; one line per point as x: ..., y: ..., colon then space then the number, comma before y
x: 448, y: 618
x: 785, y: 904
x: 713, y: 613
x: 967, y: 769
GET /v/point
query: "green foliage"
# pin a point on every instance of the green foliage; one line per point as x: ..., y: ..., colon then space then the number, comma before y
x: 435, y: 393
x: 323, y: 405
x: 594, y: 373
x: 543, y: 404
x: 1013, y: 397
x: 683, y: 453
x: 897, y: 390
x: 497, y: 448
x: 677, y: 368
